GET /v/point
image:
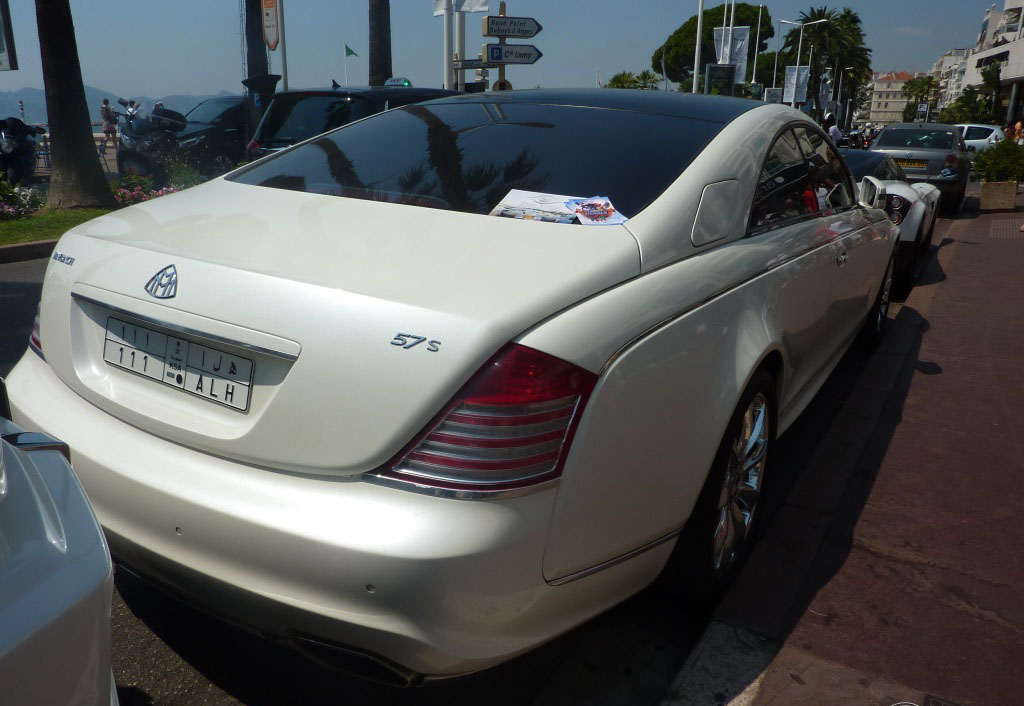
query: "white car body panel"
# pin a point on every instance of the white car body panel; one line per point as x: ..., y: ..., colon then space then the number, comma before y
x: 502, y: 279
x: 924, y: 200
x: 55, y: 584
x: 276, y: 502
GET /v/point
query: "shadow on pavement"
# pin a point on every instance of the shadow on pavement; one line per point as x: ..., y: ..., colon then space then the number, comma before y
x: 629, y: 655
x: 17, y: 308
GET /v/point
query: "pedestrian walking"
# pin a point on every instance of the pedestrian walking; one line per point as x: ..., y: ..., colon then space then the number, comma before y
x: 109, y: 124
x: 833, y: 131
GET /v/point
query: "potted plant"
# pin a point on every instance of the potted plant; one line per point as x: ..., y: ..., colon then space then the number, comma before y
x: 1000, y: 167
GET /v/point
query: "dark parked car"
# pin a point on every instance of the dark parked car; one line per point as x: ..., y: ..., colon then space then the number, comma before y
x: 215, y: 134
x: 294, y: 116
x: 932, y: 153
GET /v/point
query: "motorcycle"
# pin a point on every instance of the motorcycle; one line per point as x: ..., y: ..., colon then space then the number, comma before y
x: 146, y: 143
x: 17, y: 150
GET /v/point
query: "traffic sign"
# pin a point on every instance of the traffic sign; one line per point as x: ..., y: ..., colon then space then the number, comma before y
x: 518, y: 27
x: 270, y: 34
x: 465, y: 64
x: 513, y: 53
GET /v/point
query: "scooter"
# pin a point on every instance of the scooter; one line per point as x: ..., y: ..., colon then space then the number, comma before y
x: 17, y: 150
x: 146, y: 143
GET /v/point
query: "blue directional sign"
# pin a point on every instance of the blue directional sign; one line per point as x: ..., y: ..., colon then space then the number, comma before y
x: 513, y: 53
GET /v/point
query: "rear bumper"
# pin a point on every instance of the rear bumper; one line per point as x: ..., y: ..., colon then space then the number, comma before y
x: 422, y: 585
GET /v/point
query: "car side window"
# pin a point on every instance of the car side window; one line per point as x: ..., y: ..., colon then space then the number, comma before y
x: 783, y: 187
x: 829, y: 177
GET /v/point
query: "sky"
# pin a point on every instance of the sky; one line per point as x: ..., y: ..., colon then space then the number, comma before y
x: 161, y: 47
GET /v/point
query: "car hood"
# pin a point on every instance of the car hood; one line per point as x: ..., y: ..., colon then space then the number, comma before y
x: 313, y: 289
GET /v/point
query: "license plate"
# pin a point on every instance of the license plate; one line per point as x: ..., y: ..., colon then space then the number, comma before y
x: 199, y: 369
x: 912, y: 163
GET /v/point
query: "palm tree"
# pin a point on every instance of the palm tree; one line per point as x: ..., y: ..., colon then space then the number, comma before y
x: 77, y: 178
x: 647, y: 80
x: 623, y: 79
x: 838, y: 43
x: 380, y: 42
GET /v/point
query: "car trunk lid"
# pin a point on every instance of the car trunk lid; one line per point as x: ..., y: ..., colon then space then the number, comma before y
x: 300, y: 310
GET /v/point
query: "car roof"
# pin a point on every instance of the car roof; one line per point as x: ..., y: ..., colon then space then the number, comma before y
x: 720, y: 109
x: 932, y: 126
x: 364, y: 90
x: 862, y: 157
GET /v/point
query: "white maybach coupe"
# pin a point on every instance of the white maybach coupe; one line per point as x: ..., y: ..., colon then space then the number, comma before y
x: 395, y: 395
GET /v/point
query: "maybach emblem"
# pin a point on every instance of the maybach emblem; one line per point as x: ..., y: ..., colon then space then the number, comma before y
x: 164, y: 284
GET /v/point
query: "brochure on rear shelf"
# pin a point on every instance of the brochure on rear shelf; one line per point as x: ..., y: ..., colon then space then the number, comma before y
x: 557, y: 208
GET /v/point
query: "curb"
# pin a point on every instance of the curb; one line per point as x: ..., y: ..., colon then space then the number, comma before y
x: 19, y: 252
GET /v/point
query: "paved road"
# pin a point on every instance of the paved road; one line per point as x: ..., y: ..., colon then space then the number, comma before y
x: 166, y: 654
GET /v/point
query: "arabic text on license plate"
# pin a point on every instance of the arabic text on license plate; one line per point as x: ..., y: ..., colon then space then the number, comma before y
x: 195, y: 368
x: 912, y: 163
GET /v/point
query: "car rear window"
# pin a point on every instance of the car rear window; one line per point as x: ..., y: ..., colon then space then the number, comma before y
x: 466, y: 156
x: 917, y: 138
x: 294, y: 118
x: 977, y: 133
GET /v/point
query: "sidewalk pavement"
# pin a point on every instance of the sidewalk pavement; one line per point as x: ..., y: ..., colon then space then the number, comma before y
x: 893, y: 572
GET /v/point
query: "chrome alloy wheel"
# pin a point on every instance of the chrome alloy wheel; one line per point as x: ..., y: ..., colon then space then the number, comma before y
x: 741, y: 485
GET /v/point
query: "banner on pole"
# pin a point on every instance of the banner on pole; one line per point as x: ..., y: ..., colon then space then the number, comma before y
x: 740, y: 47
x: 8, y: 56
x: 270, y: 35
x: 461, y: 6
x: 796, y: 85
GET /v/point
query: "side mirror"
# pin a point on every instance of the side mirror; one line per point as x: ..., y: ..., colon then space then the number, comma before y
x: 871, y: 193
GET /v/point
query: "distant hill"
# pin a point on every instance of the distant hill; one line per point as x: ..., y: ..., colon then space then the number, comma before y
x: 35, y: 102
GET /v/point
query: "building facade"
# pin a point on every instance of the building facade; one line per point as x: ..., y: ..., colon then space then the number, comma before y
x: 886, y: 100
x: 1000, y: 41
x: 948, y: 72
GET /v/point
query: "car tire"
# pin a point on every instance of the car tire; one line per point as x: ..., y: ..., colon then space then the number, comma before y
x: 217, y: 164
x: 877, y: 320
x: 720, y: 531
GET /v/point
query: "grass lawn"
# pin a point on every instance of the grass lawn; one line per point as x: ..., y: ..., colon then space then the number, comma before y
x: 46, y: 226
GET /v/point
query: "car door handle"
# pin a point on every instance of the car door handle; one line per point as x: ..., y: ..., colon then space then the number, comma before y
x: 841, y: 258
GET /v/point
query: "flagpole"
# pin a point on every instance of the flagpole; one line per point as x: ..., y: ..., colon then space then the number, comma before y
x: 346, y: 64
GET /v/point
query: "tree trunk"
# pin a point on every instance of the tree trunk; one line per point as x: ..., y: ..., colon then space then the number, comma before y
x: 77, y: 178
x: 380, y: 42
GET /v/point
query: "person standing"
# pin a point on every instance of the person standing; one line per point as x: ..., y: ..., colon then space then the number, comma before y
x: 833, y: 132
x: 109, y: 124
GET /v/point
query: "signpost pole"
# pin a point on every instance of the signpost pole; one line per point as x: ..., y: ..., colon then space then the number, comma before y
x: 284, y: 55
x: 460, y: 47
x: 501, y: 40
x: 449, y: 48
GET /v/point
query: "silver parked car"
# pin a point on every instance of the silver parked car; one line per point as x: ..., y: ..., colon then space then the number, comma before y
x: 55, y: 578
x: 932, y: 153
x: 430, y: 389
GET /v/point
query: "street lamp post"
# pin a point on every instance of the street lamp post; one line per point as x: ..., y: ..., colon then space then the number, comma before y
x: 839, y: 89
x: 757, y: 44
x: 700, y: 32
x: 799, y: 50
x: 778, y: 47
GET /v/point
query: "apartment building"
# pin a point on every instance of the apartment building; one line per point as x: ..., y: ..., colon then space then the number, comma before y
x: 886, y: 102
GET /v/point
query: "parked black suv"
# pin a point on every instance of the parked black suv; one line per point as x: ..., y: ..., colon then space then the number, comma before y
x: 294, y: 116
x: 215, y: 134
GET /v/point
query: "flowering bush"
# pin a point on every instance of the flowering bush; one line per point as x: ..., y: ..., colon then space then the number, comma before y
x: 132, y: 189
x: 17, y: 201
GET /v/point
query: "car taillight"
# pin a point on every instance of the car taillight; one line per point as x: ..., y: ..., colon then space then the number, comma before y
x: 510, y: 426
x: 34, y: 340
x: 253, y: 145
x: 897, y: 208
